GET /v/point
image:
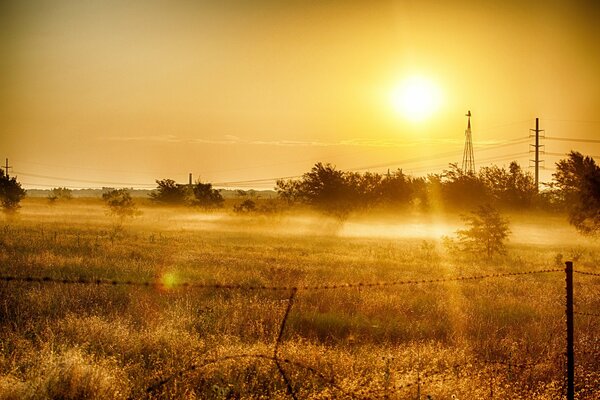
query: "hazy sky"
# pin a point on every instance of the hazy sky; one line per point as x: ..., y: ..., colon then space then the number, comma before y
x: 122, y: 92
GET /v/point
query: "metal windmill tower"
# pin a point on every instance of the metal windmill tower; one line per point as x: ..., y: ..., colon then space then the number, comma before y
x: 468, y: 162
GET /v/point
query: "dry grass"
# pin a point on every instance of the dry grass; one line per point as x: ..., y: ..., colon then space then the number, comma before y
x: 78, y: 341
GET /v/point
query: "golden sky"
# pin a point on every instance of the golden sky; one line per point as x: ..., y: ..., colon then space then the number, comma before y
x: 116, y: 93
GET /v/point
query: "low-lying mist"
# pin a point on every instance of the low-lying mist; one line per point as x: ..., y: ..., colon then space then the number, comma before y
x: 526, y: 228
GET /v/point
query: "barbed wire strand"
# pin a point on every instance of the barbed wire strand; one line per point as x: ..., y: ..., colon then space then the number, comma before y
x: 586, y: 314
x: 293, y: 289
x: 234, y: 286
x: 586, y: 273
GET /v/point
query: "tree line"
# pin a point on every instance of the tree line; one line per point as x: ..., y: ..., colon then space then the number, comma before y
x: 574, y: 189
x: 339, y: 192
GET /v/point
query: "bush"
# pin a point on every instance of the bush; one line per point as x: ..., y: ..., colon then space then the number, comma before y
x: 205, y: 196
x: 169, y: 192
x: 245, y: 207
x: 120, y: 203
x: 486, y: 232
x: 60, y: 193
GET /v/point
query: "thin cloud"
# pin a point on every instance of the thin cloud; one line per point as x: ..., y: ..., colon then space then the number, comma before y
x: 236, y: 140
x: 149, y: 138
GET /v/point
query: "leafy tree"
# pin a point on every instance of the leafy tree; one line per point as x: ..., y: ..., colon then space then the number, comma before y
x: 325, y: 188
x: 169, y: 192
x: 397, y: 188
x: 288, y: 190
x: 577, y: 181
x: 120, y: 203
x: 510, y: 188
x: 11, y: 192
x: 205, y: 196
x: 462, y: 189
x: 486, y: 232
x: 60, y: 193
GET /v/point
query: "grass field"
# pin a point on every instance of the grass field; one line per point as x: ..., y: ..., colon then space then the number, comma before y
x: 499, y: 338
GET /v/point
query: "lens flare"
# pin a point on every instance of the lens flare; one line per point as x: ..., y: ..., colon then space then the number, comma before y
x: 169, y: 281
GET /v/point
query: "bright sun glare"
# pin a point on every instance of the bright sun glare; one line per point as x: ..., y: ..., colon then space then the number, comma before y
x: 416, y: 98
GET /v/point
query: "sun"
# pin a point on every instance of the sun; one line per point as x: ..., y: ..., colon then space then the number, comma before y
x: 416, y: 98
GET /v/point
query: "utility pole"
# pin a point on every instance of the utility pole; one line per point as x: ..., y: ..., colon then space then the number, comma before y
x: 190, y: 180
x: 6, y: 168
x: 536, y: 147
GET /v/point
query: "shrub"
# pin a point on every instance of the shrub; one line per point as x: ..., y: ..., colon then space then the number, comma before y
x: 245, y: 207
x: 486, y: 232
x: 60, y: 193
x: 169, y: 192
x: 120, y: 203
x: 205, y: 196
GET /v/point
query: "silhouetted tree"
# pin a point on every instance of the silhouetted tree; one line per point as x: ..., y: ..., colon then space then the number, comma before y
x: 325, y: 188
x: 397, y: 188
x: 366, y: 188
x: 577, y: 181
x: 509, y: 188
x: 205, y: 196
x: 288, y: 190
x: 420, y: 193
x: 462, y: 189
x: 11, y: 192
x: 120, y: 203
x: 169, y: 192
x: 60, y: 193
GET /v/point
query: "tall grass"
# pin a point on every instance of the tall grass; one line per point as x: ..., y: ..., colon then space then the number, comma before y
x: 454, y: 339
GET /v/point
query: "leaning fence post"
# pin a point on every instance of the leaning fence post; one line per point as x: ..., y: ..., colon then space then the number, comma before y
x: 570, y: 352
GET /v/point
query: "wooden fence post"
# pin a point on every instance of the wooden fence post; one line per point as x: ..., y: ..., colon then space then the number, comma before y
x: 570, y: 352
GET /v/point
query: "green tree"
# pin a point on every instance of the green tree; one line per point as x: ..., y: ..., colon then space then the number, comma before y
x: 169, y: 192
x: 205, y: 196
x: 120, y: 203
x: 577, y: 182
x: 486, y: 232
x: 11, y: 192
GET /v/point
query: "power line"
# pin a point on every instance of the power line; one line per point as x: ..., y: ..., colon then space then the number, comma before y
x: 573, y: 120
x: 82, y: 180
x: 509, y: 142
x: 481, y: 161
x: 269, y: 180
x: 438, y: 156
x: 579, y: 140
x: 567, y: 154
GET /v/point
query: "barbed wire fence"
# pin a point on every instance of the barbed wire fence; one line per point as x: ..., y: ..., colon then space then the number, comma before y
x: 279, y: 361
